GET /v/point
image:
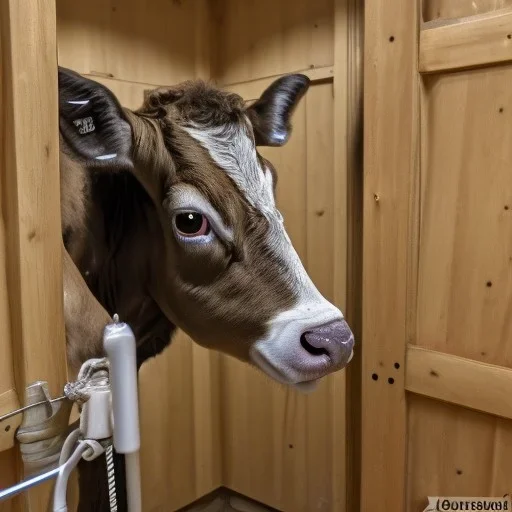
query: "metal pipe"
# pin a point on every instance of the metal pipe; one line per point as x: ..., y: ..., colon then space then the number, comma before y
x: 10, y: 492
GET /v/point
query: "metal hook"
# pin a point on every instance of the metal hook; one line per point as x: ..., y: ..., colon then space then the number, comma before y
x: 23, y: 409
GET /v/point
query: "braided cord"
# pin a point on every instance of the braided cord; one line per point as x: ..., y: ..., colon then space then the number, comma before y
x: 109, y: 455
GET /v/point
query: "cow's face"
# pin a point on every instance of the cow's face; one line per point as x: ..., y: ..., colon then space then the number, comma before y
x: 230, y: 276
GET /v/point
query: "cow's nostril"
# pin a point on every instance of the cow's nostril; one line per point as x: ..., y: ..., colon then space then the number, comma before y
x: 334, y: 340
x: 315, y: 351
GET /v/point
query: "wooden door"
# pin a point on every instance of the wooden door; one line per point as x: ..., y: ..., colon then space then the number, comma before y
x: 32, y: 342
x: 437, y: 331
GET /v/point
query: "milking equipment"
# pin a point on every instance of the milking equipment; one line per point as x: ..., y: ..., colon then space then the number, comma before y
x: 107, y: 395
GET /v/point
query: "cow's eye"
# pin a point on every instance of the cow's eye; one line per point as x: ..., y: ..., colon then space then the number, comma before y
x: 191, y: 224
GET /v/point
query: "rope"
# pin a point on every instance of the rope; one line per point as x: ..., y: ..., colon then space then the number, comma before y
x: 109, y: 455
x: 92, y: 372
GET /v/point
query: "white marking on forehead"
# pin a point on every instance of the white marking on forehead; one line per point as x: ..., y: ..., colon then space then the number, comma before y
x: 233, y: 151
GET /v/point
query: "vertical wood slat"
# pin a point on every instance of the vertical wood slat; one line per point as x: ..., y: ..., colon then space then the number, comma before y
x: 390, y: 138
x: 340, y: 253
x: 31, y: 199
x: 355, y: 21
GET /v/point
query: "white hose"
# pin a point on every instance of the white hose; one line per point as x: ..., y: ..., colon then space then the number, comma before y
x: 133, y: 487
x: 61, y: 485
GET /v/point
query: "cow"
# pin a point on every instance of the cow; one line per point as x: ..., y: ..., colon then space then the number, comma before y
x: 169, y: 219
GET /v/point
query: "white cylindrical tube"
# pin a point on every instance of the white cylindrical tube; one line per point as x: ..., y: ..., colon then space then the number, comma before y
x: 119, y: 344
x: 133, y: 485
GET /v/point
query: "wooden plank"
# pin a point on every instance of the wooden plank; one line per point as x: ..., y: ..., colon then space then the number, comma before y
x: 465, y: 278
x: 451, y: 451
x: 465, y: 382
x: 467, y: 42
x: 252, y: 89
x: 390, y: 138
x: 354, y: 199
x: 271, y: 37
x: 31, y: 201
x: 8, y: 397
x: 340, y: 479
x: 9, y: 402
x: 445, y: 9
x: 130, y: 40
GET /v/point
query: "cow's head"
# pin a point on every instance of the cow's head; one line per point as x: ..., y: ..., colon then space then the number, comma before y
x: 229, y: 277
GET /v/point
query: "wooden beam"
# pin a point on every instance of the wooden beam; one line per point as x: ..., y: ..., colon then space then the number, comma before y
x: 31, y: 200
x: 252, y: 89
x: 457, y: 380
x: 478, y: 40
x: 391, y: 133
x: 8, y: 402
x: 340, y: 234
x: 354, y: 199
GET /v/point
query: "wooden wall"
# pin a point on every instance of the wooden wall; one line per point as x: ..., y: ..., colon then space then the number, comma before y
x: 207, y: 420
x: 437, y: 255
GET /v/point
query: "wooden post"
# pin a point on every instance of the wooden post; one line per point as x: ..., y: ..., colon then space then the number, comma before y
x: 31, y: 200
x: 391, y: 129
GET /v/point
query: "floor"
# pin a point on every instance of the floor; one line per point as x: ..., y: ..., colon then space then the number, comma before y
x: 224, y: 500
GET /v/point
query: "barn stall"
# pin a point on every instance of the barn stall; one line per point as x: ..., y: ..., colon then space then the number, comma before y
x: 429, y: 408
x: 207, y: 420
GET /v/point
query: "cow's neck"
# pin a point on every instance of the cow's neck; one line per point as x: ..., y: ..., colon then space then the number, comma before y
x: 123, y: 241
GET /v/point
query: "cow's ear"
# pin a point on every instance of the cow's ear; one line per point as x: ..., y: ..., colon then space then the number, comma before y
x: 270, y: 115
x: 92, y: 123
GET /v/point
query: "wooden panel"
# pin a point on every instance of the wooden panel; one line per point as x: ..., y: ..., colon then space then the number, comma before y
x: 8, y: 398
x: 390, y: 139
x: 475, y: 41
x: 436, y: 9
x: 252, y: 89
x: 8, y: 402
x: 265, y: 38
x: 179, y: 423
x: 282, y: 447
x: 480, y: 386
x: 31, y: 200
x: 455, y: 452
x: 352, y: 13
x: 8, y: 477
x: 465, y: 272
x: 147, y: 42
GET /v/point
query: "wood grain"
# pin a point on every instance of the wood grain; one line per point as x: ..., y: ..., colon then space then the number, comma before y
x: 31, y: 199
x: 390, y: 141
x: 479, y: 40
x: 354, y: 198
x: 146, y: 42
x: 445, y: 9
x: 460, y: 381
x: 268, y: 38
x: 9, y: 402
x: 179, y: 426
x: 452, y: 451
x: 7, y: 397
x: 465, y: 279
